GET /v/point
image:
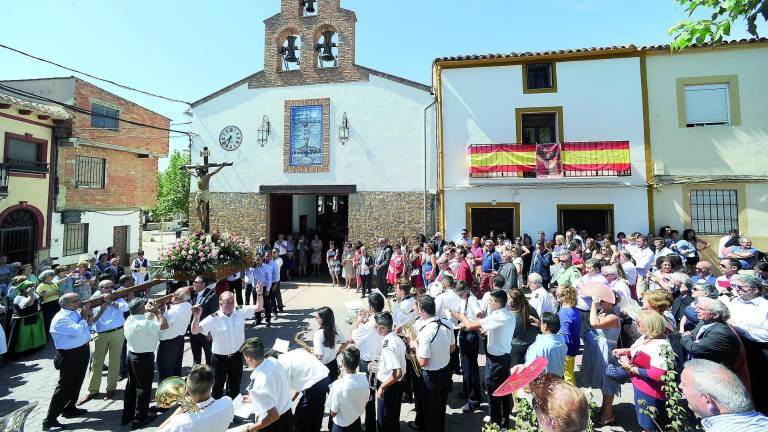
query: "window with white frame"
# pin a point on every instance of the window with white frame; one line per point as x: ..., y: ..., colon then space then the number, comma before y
x: 707, y: 105
x: 714, y: 211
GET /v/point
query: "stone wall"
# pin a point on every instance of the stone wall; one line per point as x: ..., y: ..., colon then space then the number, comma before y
x: 390, y: 215
x: 245, y: 214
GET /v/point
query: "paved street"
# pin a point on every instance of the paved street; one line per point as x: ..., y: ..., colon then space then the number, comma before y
x: 33, y: 378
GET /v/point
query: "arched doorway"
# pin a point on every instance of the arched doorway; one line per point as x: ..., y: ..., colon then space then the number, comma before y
x: 18, y: 231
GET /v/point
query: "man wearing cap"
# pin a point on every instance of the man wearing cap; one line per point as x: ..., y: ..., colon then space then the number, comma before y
x: 71, y: 333
x: 109, y: 338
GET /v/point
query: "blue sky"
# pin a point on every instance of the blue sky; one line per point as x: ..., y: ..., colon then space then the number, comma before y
x: 187, y: 49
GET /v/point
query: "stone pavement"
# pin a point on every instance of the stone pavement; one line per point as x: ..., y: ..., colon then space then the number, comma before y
x: 32, y: 377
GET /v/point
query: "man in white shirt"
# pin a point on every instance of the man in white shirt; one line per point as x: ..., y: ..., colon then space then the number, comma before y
x: 368, y: 341
x: 171, y: 349
x: 71, y: 335
x: 499, y: 325
x: 749, y: 317
x: 227, y: 328
x: 643, y: 256
x: 109, y: 339
x: 269, y: 391
x: 434, y: 345
x: 349, y: 394
x: 142, y: 335
x: 464, y: 238
x: 389, y: 377
x: 625, y: 258
x: 307, y: 377
x: 446, y: 303
x: 617, y: 285
x: 213, y: 415
x: 469, y: 347
x: 540, y: 298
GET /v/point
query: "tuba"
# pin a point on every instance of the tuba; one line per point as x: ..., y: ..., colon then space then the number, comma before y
x: 173, y: 391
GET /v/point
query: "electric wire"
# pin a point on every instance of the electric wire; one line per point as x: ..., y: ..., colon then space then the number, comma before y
x: 93, y: 76
x: 85, y: 111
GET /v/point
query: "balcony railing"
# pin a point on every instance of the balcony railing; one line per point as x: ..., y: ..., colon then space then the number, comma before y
x: 19, y: 165
x: 556, y: 160
x: 3, y: 180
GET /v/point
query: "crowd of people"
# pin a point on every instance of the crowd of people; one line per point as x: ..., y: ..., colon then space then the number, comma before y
x: 634, y: 309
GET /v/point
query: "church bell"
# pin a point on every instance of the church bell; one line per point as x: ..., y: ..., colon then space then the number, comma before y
x: 309, y: 6
x: 326, y: 48
x: 289, y: 52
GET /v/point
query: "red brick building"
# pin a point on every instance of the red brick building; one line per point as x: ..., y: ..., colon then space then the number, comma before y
x: 106, y: 171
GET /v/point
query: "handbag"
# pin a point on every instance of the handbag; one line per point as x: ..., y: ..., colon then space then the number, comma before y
x: 617, y: 373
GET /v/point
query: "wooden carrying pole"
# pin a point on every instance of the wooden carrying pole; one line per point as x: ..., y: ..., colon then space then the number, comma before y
x: 126, y: 291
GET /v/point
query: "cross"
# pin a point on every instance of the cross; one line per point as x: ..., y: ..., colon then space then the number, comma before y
x: 202, y: 197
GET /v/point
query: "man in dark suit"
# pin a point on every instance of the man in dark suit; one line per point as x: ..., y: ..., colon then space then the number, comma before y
x: 381, y: 264
x: 540, y: 262
x: 206, y: 297
x: 712, y: 339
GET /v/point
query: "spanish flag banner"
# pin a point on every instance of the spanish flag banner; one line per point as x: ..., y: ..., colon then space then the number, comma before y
x: 578, y: 158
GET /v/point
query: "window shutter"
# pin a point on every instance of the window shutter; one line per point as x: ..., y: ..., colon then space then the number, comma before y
x: 706, y: 104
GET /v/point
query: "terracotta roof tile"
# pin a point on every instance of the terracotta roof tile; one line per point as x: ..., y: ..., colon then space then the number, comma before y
x: 55, y: 112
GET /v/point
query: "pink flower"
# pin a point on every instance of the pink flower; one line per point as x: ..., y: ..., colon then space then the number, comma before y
x: 201, y: 254
x: 202, y: 259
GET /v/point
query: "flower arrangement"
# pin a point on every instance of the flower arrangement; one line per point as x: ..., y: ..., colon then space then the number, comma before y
x: 202, y: 253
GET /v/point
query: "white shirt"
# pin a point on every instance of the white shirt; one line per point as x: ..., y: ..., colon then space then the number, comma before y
x: 643, y: 260
x: 445, y: 303
x: 319, y: 348
x: 178, y: 316
x: 215, y: 415
x: 434, y: 343
x: 228, y: 332
x: 484, y: 303
x: 68, y: 329
x: 348, y: 397
x: 622, y: 288
x: 113, y: 316
x: 541, y: 301
x: 141, y: 334
x: 302, y: 369
x: 392, y: 357
x: 750, y: 318
x: 367, y: 340
x: 403, y: 311
x: 471, y: 307
x: 269, y: 389
x: 281, y: 246
x: 631, y: 271
x: 500, y: 327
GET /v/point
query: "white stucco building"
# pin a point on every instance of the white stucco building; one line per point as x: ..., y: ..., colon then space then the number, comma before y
x: 496, y: 111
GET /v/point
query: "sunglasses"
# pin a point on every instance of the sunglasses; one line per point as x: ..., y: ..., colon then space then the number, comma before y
x: 740, y: 288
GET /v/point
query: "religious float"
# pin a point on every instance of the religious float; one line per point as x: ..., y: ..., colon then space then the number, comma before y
x: 213, y: 256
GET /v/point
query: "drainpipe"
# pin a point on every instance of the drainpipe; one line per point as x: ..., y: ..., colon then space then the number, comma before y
x: 426, y: 171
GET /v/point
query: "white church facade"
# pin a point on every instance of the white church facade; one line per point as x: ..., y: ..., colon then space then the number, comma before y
x: 319, y: 143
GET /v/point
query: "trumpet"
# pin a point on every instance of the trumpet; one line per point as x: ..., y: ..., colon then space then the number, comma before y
x: 172, y: 391
x: 363, y: 313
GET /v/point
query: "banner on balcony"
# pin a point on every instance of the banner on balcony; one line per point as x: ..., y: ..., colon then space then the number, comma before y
x: 548, y: 163
x: 498, y: 159
x: 596, y: 156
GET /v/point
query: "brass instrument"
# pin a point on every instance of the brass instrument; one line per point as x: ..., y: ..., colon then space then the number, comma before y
x: 172, y: 391
x: 410, y: 333
x: 299, y: 339
x: 364, y: 313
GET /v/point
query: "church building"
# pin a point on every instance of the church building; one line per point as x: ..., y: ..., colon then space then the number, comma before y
x: 319, y: 144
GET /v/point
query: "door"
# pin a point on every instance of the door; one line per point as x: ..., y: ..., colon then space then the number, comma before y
x: 17, y: 237
x: 120, y: 243
x: 482, y: 218
x: 281, y: 217
x: 303, y: 224
x: 597, y: 220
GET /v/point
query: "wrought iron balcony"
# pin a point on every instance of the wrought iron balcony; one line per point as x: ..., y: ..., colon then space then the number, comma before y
x: 556, y: 160
x: 19, y: 165
x: 3, y: 181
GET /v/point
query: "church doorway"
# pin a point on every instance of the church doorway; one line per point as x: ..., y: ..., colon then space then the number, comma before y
x: 309, y: 214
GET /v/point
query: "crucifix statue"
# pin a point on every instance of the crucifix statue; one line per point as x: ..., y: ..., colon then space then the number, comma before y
x: 203, y: 195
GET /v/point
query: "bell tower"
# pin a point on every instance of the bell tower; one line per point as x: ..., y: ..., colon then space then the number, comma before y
x: 309, y: 42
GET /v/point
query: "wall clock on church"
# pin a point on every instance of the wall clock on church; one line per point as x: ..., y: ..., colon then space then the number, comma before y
x: 230, y: 138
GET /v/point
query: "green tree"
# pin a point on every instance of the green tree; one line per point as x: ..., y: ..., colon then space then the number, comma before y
x: 173, y: 187
x: 723, y: 14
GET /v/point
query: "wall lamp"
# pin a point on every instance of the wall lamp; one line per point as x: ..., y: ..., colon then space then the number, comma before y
x: 263, y: 132
x: 344, y: 130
